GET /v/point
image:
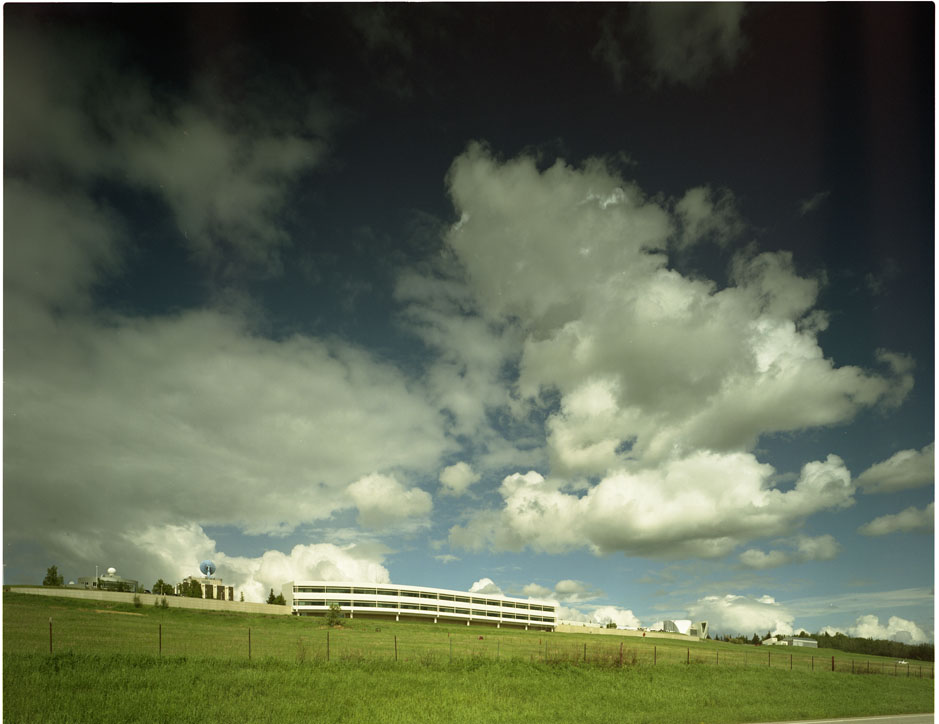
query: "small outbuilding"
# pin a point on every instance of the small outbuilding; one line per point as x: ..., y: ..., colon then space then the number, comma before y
x: 110, y: 581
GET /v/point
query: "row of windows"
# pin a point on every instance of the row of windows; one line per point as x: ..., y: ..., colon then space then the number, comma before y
x: 418, y: 594
x: 418, y: 607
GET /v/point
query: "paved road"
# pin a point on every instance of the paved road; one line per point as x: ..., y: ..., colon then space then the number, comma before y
x: 890, y: 719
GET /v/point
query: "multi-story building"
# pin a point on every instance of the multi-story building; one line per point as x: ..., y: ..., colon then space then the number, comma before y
x: 211, y: 588
x: 400, y: 602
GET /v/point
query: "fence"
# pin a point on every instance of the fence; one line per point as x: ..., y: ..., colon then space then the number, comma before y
x: 288, y: 639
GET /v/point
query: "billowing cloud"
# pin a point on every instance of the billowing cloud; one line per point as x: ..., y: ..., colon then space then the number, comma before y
x: 903, y: 470
x: 701, y: 506
x: 672, y: 43
x: 622, y: 617
x: 382, y: 501
x: 176, y: 551
x: 733, y: 614
x: 567, y: 591
x: 457, y: 478
x: 646, y: 377
x: 193, y: 418
x: 897, y: 629
x: 804, y: 548
x: 485, y: 585
x: 177, y: 418
x: 536, y: 590
x: 906, y: 521
x: 573, y: 258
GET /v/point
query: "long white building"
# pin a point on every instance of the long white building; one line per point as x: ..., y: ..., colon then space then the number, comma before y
x: 400, y: 602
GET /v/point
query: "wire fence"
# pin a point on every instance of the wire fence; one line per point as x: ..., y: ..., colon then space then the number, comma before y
x: 91, y: 632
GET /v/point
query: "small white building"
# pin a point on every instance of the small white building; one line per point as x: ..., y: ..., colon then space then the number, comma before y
x: 808, y: 643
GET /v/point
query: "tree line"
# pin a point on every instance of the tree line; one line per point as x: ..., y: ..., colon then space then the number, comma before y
x: 851, y: 645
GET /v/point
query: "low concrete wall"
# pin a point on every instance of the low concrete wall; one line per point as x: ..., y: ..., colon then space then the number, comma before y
x: 568, y: 628
x: 150, y: 599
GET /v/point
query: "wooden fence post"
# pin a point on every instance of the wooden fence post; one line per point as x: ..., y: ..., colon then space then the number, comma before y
x: 790, y: 662
x: 832, y: 663
x: 688, y: 657
x: 655, y: 656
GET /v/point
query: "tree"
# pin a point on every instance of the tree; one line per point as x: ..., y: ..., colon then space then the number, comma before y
x: 161, y: 588
x: 611, y: 624
x: 192, y: 589
x: 755, y: 640
x: 280, y: 600
x: 333, y: 614
x: 242, y: 596
x: 52, y: 577
x: 272, y: 598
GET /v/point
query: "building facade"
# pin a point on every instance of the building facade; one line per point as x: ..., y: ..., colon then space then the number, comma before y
x: 400, y: 602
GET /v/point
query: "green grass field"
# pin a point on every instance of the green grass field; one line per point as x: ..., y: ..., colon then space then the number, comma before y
x: 116, y: 663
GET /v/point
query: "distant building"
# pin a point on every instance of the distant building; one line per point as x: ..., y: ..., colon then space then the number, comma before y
x: 687, y: 628
x: 211, y: 588
x: 791, y: 641
x: 110, y: 581
x: 808, y: 643
x: 419, y: 603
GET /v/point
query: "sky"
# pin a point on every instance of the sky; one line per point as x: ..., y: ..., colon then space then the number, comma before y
x: 626, y: 306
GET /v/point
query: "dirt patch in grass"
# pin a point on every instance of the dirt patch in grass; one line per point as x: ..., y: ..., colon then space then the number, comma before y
x: 124, y: 613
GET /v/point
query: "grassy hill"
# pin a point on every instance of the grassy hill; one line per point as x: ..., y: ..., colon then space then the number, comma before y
x: 117, y: 662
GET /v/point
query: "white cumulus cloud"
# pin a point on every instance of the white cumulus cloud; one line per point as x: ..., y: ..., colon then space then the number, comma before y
x: 173, y: 552
x: 912, y: 519
x: 485, y: 585
x: 382, y: 500
x: 904, y: 469
x: 803, y: 549
x: 456, y: 479
x: 733, y: 614
x: 702, y: 506
x: 663, y: 383
x: 896, y: 629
